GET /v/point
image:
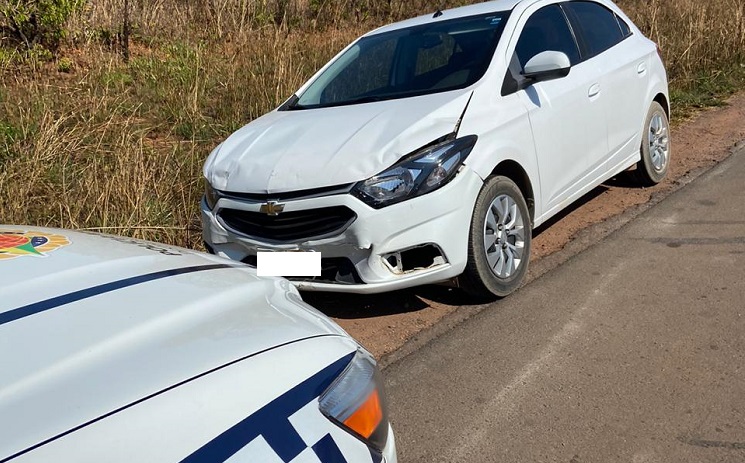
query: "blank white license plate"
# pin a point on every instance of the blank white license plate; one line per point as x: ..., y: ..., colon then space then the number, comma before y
x: 288, y: 264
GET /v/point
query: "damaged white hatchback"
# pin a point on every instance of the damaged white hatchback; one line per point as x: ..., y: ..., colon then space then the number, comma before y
x: 429, y: 149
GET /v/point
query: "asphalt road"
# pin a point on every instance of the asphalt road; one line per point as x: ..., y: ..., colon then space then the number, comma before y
x: 632, y: 351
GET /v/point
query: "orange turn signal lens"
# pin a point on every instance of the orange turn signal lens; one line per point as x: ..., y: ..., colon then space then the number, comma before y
x: 366, y: 419
x: 355, y: 401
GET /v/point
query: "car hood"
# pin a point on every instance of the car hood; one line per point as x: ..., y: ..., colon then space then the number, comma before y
x: 312, y: 148
x: 93, y: 323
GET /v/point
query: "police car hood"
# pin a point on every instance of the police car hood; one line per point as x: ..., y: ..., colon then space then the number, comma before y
x: 311, y: 148
x: 92, y: 323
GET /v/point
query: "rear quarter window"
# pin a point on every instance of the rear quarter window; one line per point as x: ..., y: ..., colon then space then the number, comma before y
x: 625, y: 29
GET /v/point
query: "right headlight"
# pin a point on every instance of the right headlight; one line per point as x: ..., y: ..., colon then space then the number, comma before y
x: 419, y: 173
x: 355, y: 401
x: 210, y: 195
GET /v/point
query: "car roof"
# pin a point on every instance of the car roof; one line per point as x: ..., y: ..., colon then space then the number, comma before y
x: 452, y: 13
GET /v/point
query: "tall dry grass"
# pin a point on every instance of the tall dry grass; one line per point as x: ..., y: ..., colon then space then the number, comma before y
x: 89, y: 161
x: 225, y: 18
x: 696, y: 37
x: 119, y: 147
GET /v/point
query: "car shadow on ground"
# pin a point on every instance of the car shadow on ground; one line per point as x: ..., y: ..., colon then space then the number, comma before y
x: 356, y: 306
x: 625, y: 179
x: 589, y: 196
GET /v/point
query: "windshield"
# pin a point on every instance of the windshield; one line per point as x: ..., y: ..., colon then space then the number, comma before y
x: 429, y: 58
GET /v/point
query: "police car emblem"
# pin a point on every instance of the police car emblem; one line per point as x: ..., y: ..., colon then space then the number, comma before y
x: 21, y: 243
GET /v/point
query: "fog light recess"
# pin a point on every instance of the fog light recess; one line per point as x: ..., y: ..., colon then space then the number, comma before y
x: 417, y: 258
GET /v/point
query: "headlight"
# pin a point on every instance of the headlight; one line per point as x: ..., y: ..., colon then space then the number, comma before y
x: 422, y: 172
x: 210, y: 195
x: 355, y: 401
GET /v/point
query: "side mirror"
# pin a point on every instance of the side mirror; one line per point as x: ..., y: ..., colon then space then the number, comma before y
x: 547, y: 65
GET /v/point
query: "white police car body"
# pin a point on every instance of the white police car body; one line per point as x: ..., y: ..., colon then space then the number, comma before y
x: 121, y: 350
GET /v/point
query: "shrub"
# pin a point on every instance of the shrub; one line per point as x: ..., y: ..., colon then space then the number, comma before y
x: 32, y: 23
x: 64, y: 65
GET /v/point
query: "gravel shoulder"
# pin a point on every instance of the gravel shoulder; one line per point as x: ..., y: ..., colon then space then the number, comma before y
x: 393, y: 324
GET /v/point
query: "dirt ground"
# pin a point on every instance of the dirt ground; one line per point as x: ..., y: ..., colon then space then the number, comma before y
x: 384, y: 322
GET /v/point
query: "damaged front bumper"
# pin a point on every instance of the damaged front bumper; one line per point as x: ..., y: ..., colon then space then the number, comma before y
x: 364, y: 250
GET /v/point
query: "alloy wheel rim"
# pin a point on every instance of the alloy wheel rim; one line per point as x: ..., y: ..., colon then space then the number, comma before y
x: 659, y: 142
x: 504, y: 236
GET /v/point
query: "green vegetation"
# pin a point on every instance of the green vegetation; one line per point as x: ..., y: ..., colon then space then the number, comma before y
x: 32, y: 23
x: 709, y: 88
x: 88, y: 141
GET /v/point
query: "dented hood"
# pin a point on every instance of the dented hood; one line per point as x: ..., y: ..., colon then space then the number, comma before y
x: 313, y: 148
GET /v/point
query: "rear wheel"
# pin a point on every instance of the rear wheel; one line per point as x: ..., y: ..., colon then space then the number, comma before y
x: 655, y: 149
x: 499, y: 241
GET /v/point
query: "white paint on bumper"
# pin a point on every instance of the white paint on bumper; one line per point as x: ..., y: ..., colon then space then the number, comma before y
x: 441, y: 218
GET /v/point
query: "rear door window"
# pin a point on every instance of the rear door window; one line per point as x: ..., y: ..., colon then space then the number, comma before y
x: 597, y: 26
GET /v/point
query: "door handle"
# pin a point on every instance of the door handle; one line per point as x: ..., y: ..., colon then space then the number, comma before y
x: 594, y: 90
x: 641, y: 69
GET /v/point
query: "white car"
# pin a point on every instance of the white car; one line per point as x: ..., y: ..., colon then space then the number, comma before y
x: 120, y: 350
x: 429, y: 149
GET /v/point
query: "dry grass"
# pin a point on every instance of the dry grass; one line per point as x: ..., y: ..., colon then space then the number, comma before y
x: 119, y: 147
x: 696, y: 38
x: 93, y: 164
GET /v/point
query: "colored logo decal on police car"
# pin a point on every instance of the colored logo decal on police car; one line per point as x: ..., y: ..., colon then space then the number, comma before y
x: 20, y: 243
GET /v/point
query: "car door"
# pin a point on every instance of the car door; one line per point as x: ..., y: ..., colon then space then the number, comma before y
x: 606, y: 39
x: 566, y: 114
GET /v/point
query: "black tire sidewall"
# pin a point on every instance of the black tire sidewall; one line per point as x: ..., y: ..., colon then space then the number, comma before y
x: 481, y: 280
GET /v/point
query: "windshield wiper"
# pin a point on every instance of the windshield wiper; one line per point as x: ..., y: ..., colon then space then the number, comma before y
x: 292, y: 104
x: 365, y: 99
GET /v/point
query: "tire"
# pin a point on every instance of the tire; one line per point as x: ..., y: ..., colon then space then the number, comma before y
x: 655, y: 149
x: 497, y: 258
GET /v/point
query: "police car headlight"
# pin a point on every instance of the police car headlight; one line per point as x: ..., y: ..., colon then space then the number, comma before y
x: 210, y: 195
x: 419, y: 173
x: 355, y: 401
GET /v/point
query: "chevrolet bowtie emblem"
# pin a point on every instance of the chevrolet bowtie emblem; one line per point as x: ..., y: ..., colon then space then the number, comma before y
x: 272, y: 208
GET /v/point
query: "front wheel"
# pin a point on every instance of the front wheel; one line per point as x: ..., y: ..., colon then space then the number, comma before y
x: 655, y: 149
x: 499, y: 241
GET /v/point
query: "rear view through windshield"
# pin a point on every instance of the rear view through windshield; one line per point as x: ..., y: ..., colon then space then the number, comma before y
x: 430, y: 58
